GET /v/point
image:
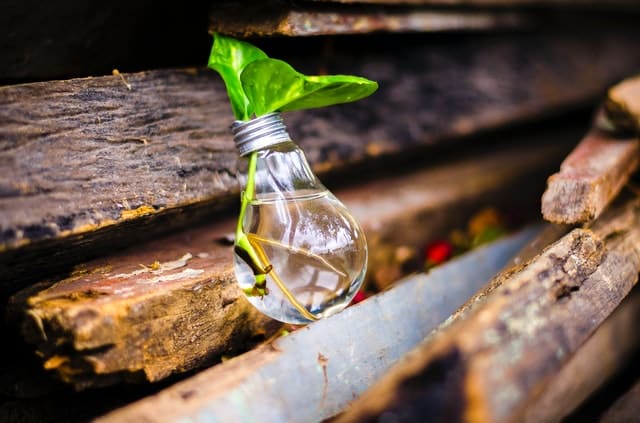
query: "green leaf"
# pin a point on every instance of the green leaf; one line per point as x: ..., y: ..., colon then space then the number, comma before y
x: 229, y: 57
x: 273, y: 85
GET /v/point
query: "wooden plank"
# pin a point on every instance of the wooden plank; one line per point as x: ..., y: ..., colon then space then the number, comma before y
x: 260, y: 19
x: 489, y: 366
x: 622, y: 106
x: 312, y: 373
x: 313, y: 18
x: 603, y: 355
x: 548, y: 235
x: 94, y: 327
x: 590, y: 178
x: 615, y: 4
x: 595, y: 172
x: 116, y: 320
x: 119, y: 188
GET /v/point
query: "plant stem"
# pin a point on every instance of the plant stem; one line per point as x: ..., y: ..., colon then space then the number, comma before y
x: 283, y: 287
x: 296, y: 250
x: 254, y: 251
x: 241, y: 238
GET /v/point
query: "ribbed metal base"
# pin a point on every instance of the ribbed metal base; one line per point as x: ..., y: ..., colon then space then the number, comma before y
x: 259, y: 133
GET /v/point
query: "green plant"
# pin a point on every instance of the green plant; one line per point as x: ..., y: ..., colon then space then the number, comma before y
x: 257, y: 85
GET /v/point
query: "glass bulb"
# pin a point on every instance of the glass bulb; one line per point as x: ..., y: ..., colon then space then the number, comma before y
x: 307, y: 247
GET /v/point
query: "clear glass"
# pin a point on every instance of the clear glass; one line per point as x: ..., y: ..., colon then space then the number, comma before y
x: 317, y: 249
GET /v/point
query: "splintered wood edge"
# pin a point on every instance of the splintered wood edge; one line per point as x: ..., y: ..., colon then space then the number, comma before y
x: 571, y: 272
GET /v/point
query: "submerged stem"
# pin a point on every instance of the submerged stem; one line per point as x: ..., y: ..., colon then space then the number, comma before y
x: 285, y: 291
x: 296, y: 250
x: 259, y: 261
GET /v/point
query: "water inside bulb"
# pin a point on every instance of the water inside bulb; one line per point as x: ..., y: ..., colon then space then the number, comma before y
x: 317, y: 251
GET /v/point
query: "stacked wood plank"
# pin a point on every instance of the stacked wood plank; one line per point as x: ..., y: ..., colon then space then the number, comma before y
x: 590, y: 178
x: 279, y: 18
x: 316, y: 371
x: 90, y: 162
x: 116, y: 196
x: 492, y: 364
x: 331, y: 17
x: 172, y: 305
x: 511, y: 353
x: 527, y: 335
x: 595, y: 172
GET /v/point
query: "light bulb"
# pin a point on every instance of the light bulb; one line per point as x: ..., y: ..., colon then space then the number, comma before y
x: 308, y: 254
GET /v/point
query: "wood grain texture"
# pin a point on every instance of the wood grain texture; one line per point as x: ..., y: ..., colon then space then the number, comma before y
x: 590, y: 178
x: 172, y: 305
x: 311, y: 374
x: 143, y: 315
x: 547, y: 236
x: 489, y: 366
x: 87, y: 164
x: 260, y: 19
x: 602, y: 356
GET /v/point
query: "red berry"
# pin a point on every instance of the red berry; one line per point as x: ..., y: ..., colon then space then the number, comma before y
x: 360, y: 296
x: 438, y: 252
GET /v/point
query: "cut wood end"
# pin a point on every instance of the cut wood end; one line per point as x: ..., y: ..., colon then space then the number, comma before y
x: 590, y: 178
x: 569, y: 201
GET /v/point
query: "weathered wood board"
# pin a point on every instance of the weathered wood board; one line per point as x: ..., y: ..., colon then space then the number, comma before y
x: 85, y: 164
x: 122, y: 317
x: 269, y: 18
x: 595, y: 172
x: 548, y: 235
x: 494, y: 362
x: 602, y: 356
x: 313, y: 373
x: 614, y: 4
x: 313, y: 18
x: 590, y: 178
